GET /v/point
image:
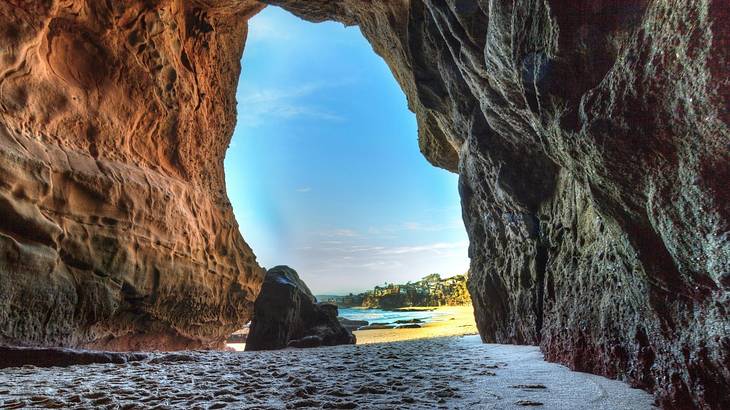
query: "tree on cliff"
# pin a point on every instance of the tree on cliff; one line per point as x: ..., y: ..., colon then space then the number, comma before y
x: 431, y: 290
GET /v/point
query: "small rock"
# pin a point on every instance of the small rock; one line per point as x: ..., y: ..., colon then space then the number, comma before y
x: 529, y: 386
x: 528, y: 403
x: 407, y: 321
x: 306, y: 342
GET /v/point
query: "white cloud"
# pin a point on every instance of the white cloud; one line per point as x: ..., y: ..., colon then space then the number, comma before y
x: 304, y: 189
x: 273, y: 95
x: 335, y: 248
x: 337, y: 233
x: 345, y: 232
x: 413, y: 226
x: 260, y: 105
x: 425, y: 248
x: 262, y: 28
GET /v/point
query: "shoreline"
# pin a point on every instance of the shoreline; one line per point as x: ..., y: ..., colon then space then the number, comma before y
x: 400, y: 309
x: 449, y: 321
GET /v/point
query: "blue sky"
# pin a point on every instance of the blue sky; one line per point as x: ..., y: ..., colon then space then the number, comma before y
x: 324, y: 170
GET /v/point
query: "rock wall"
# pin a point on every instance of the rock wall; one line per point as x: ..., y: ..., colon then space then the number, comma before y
x: 115, y: 228
x: 592, y: 141
x: 591, y: 137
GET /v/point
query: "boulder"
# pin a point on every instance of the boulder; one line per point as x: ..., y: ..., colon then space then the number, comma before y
x: 352, y: 325
x: 57, y: 357
x: 407, y: 321
x: 377, y: 326
x: 306, y: 341
x: 409, y: 326
x: 287, y: 314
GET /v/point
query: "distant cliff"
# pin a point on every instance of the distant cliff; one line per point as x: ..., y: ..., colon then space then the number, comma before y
x: 432, y: 290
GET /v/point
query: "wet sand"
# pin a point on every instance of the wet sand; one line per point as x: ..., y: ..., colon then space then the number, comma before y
x: 455, y: 372
x: 448, y: 321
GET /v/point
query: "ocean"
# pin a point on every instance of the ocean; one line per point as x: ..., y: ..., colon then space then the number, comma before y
x: 387, y: 316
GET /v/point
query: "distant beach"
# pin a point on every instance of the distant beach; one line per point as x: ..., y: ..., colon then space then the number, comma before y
x: 436, y: 322
x: 425, y: 314
x: 439, y: 321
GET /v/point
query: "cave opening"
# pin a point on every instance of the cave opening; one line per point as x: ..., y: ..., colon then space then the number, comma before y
x: 325, y: 175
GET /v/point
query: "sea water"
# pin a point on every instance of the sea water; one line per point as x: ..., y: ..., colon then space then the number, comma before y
x: 387, y: 316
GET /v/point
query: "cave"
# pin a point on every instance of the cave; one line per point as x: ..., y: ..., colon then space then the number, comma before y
x: 590, y: 138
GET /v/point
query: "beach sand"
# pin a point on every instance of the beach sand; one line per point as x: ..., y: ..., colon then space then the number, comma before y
x: 443, y: 373
x: 448, y: 321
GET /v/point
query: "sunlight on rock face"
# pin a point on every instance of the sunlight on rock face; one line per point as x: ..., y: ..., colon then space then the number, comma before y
x: 115, y: 229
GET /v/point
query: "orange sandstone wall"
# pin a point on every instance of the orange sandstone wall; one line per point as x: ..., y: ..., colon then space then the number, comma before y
x: 115, y: 228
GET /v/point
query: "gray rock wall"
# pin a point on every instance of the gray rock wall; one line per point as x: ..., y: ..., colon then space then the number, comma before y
x: 591, y: 138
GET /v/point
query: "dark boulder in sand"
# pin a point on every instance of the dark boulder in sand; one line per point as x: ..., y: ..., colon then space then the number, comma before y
x: 408, y: 321
x: 352, y: 325
x: 377, y: 326
x: 56, y: 357
x: 287, y: 314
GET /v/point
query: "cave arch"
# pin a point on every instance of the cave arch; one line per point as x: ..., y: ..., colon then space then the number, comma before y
x: 611, y: 166
x: 324, y: 172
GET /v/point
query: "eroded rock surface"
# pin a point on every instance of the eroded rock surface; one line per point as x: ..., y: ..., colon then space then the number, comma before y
x: 592, y: 142
x: 287, y: 314
x: 115, y: 229
x: 591, y: 137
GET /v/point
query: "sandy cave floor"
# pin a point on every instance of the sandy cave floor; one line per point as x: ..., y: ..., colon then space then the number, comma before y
x: 453, y: 372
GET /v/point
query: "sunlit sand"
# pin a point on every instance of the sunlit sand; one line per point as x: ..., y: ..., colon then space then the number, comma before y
x: 450, y: 321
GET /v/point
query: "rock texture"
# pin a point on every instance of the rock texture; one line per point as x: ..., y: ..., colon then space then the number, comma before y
x: 115, y: 228
x: 593, y: 146
x: 352, y: 325
x: 591, y: 137
x: 287, y: 314
x: 46, y: 357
